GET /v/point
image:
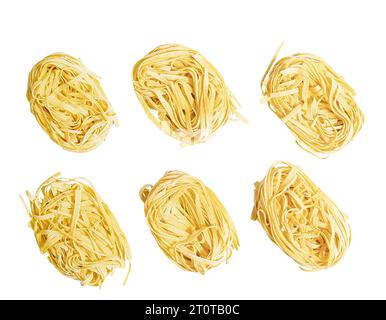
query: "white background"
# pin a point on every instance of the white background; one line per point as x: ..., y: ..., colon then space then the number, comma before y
x: 240, y: 38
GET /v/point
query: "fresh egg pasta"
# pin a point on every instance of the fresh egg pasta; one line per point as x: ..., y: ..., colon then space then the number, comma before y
x: 77, y: 230
x: 69, y: 103
x: 300, y: 219
x: 183, y: 93
x: 314, y: 102
x: 189, y: 222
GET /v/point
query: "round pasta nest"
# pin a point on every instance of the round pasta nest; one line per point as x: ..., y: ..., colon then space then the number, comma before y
x: 314, y: 102
x: 189, y: 222
x: 183, y: 93
x: 69, y: 103
x: 77, y: 230
x: 300, y: 219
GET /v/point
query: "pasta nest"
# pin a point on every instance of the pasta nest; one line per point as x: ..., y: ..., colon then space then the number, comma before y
x: 300, y: 218
x: 183, y: 93
x: 314, y: 102
x: 69, y: 103
x: 189, y: 223
x: 77, y: 230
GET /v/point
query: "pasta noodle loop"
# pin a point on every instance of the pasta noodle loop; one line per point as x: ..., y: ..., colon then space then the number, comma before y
x: 77, y: 230
x: 189, y: 223
x: 183, y: 93
x: 69, y: 103
x: 314, y: 102
x: 300, y: 219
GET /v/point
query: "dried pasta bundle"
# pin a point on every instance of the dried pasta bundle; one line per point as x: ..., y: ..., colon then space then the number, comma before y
x: 314, y: 102
x: 189, y: 222
x: 77, y: 230
x: 69, y: 103
x: 300, y: 218
x: 183, y: 93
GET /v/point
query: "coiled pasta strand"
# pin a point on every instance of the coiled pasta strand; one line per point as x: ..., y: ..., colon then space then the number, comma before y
x: 314, y: 102
x: 300, y: 219
x: 189, y: 222
x: 69, y: 103
x: 183, y: 93
x: 77, y: 230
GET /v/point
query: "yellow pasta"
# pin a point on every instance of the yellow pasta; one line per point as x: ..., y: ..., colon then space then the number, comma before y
x: 314, y: 102
x: 300, y: 218
x: 189, y: 222
x: 183, y: 93
x: 69, y: 103
x: 77, y: 230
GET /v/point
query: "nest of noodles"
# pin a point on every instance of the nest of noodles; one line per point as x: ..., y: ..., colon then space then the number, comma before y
x: 77, y: 230
x: 300, y: 219
x: 189, y: 223
x: 183, y: 93
x: 314, y: 102
x: 69, y: 103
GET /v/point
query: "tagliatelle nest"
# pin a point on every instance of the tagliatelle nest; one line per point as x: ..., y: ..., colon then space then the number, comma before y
x: 314, y: 102
x: 69, y: 103
x: 300, y: 218
x: 189, y: 222
x: 183, y: 93
x: 77, y: 230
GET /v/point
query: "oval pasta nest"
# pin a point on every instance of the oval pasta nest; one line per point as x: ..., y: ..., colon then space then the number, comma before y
x: 183, y: 93
x: 77, y: 230
x: 300, y: 218
x: 189, y: 222
x: 314, y: 102
x: 69, y: 103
